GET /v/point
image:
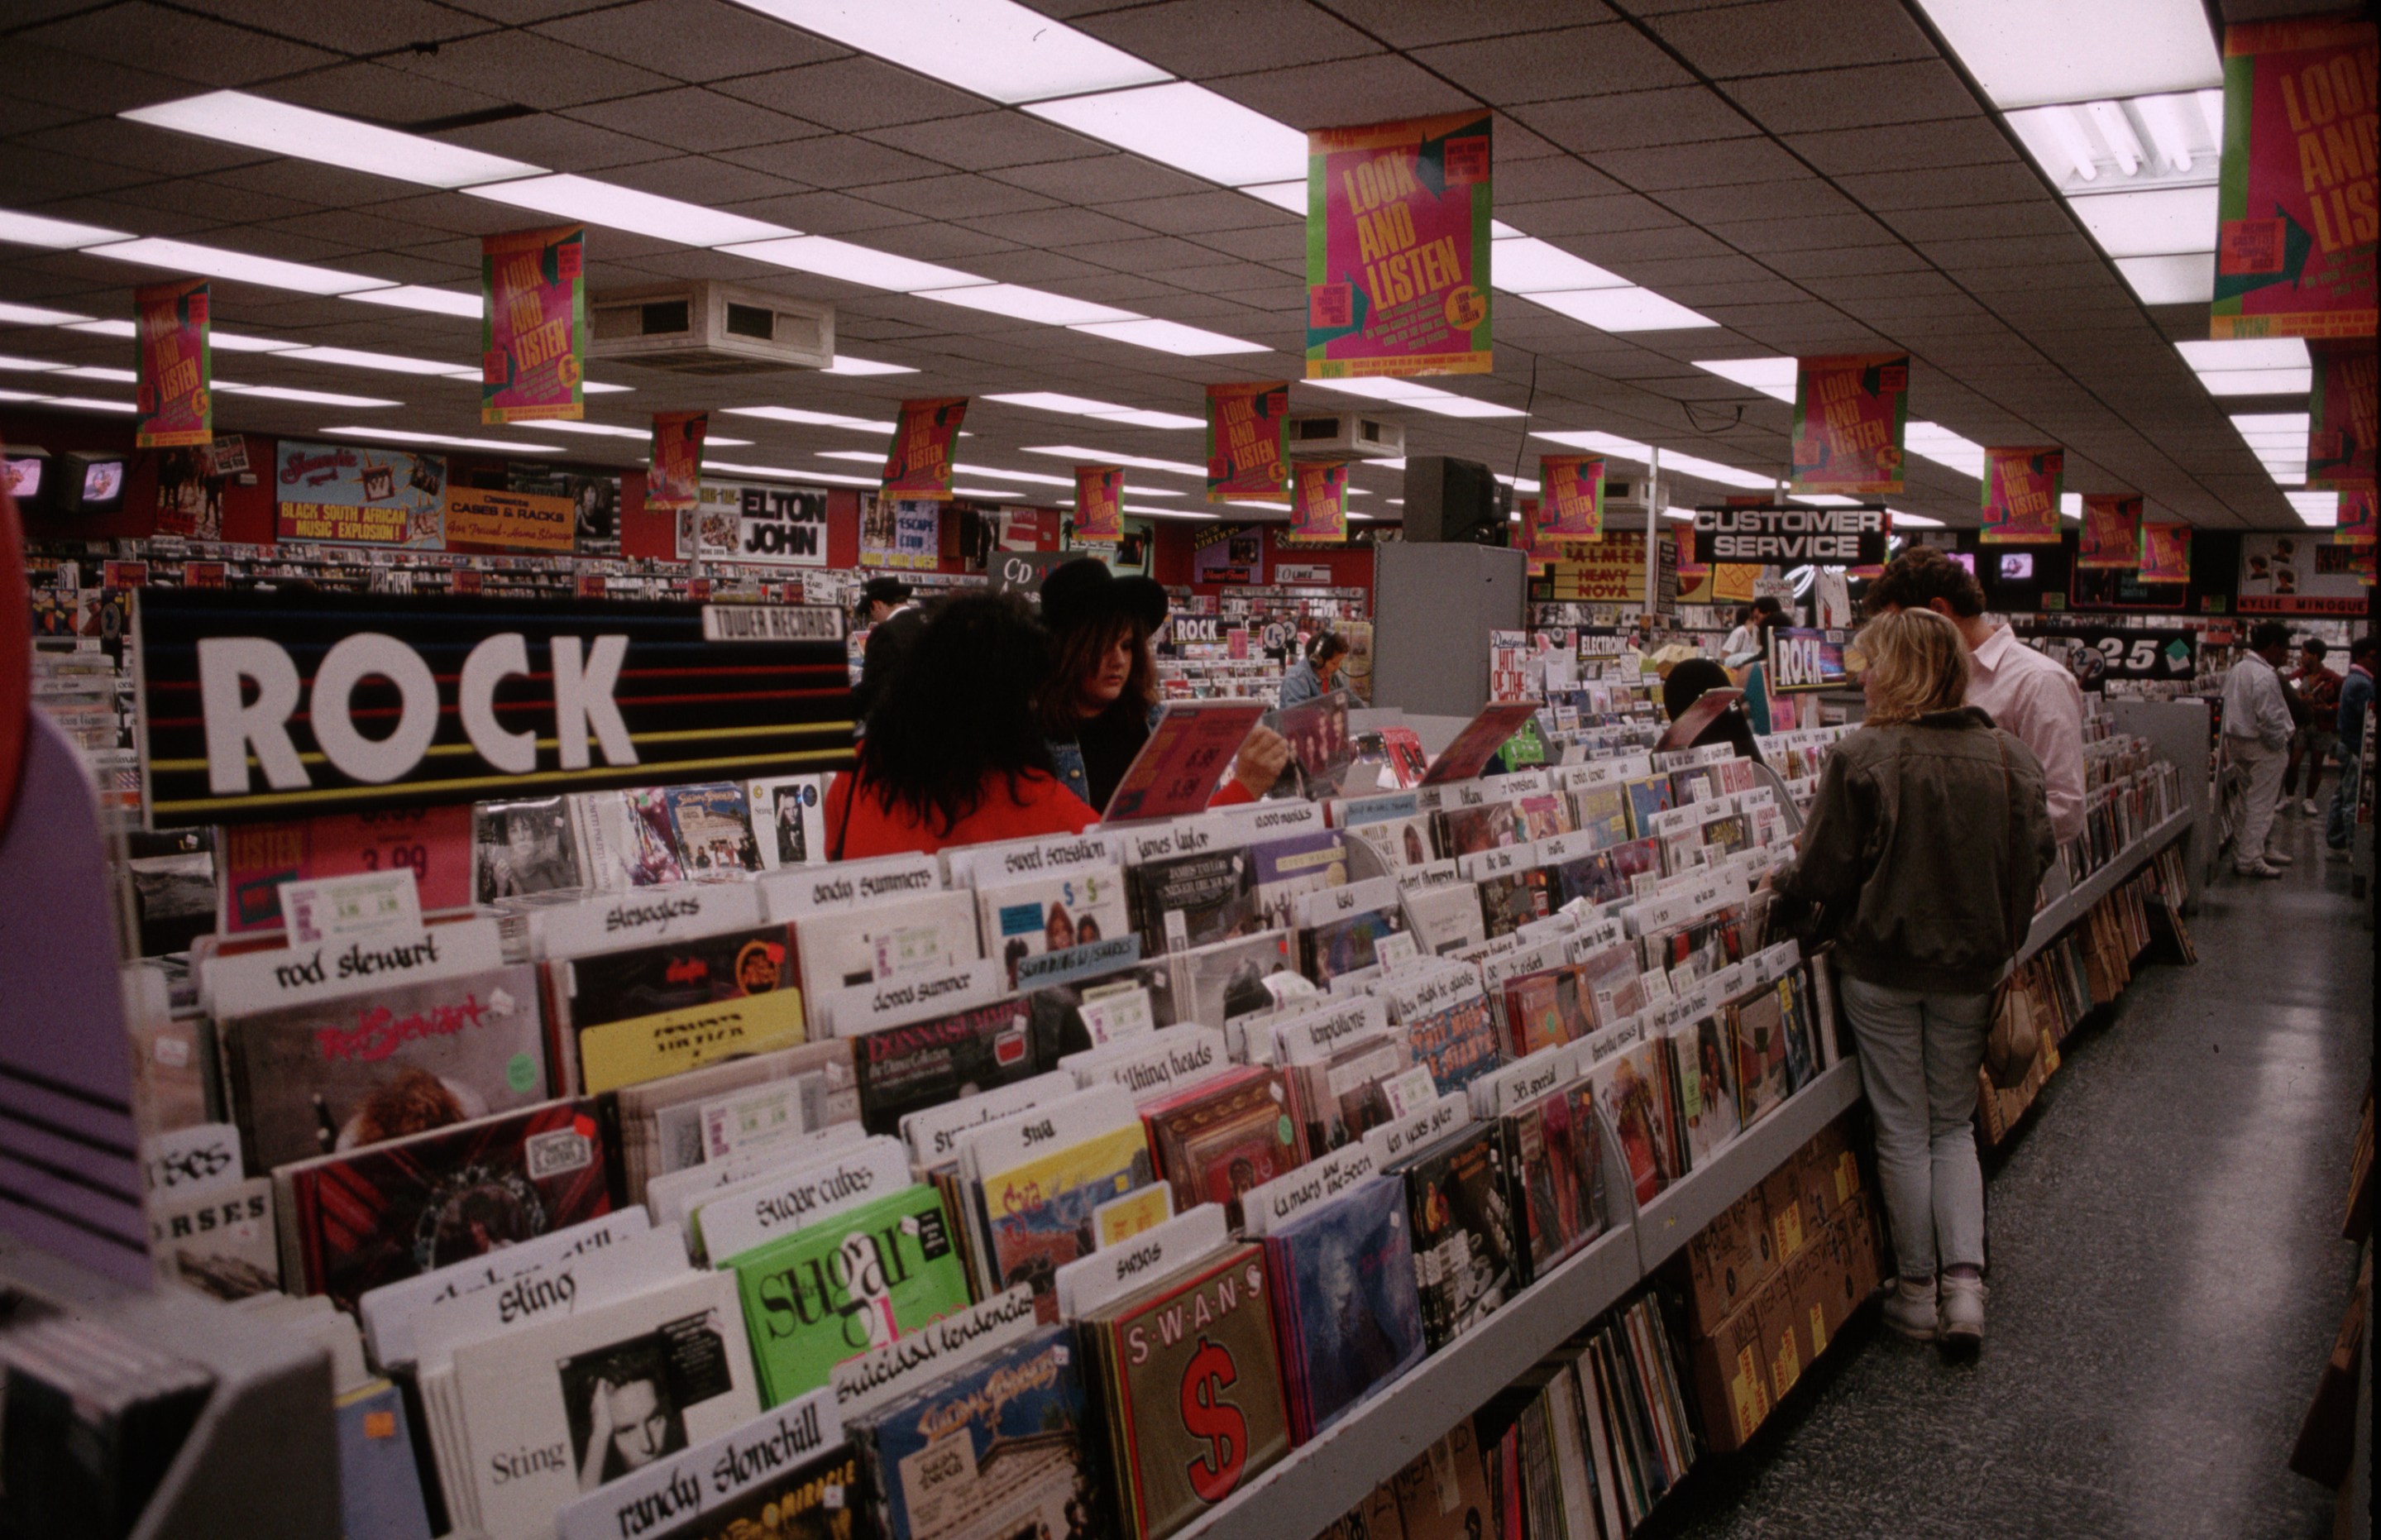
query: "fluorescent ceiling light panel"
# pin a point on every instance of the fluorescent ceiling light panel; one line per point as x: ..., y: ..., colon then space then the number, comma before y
x: 1082, y: 456
x: 1290, y: 197
x: 2258, y: 353
x: 40, y: 315
x: 624, y: 208
x: 1826, y: 500
x: 103, y: 329
x: 356, y: 358
x: 643, y: 435
x: 257, y: 123
x: 2272, y: 423
x: 790, y: 474
x: 90, y: 403
x: 2151, y: 222
x: 404, y: 435
x: 1189, y: 127
x: 1028, y: 304
x: 859, y: 455
x: 1422, y: 398
x: 28, y: 366
x: 92, y: 372
x: 2027, y: 52
x: 2316, y: 510
x: 1770, y: 377
x: 1170, y: 337
x: 1712, y: 470
x: 182, y: 256
x: 812, y: 419
x: 1528, y: 265
x: 313, y: 397
x: 1939, y: 444
x: 1013, y: 475
x: 1170, y: 421
x: 2257, y: 382
x: 1257, y: 502
x: 996, y: 48
x: 1607, y: 444
x: 1053, y: 400
x: 2070, y: 505
x: 415, y: 297
x: 996, y: 494
x: 65, y: 235
x: 1913, y: 520
x: 1169, y: 513
x: 597, y: 387
x: 846, y: 364
x: 2188, y: 279
x: 21, y: 396
x: 1622, y: 309
x: 240, y: 342
x: 854, y: 265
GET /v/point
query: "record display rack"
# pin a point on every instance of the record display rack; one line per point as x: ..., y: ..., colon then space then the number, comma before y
x: 1321, y: 1481
x: 2077, y: 901
x: 262, y: 1459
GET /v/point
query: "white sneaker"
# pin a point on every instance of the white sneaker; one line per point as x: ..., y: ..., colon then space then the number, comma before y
x: 2276, y: 857
x: 2254, y: 869
x: 2284, y: 804
x: 1962, y: 1312
x: 2307, y: 807
x: 1910, y: 1309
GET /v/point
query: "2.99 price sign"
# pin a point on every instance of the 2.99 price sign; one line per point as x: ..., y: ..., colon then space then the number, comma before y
x: 434, y: 843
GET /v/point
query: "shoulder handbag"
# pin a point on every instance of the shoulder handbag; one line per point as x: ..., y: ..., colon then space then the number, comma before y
x: 2012, y: 1040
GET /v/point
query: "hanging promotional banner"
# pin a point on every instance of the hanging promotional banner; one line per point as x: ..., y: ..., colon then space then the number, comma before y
x: 359, y: 495
x: 674, y: 480
x: 1610, y: 571
x: 768, y: 526
x: 2111, y: 536
x: 2340, y: 414
x: 2298, y: 202
x: 2021, y: 496
x: 1398, y: 234
x: 512, y: 520
x: 900, y: 535
x: 2165, y: 554
x: 174, y: 397
x: 1227, y: 554
x: 1774, y: 534
x: 1318, y: 513
x: 1570, y: 502
x: 1099, y: 504
x: 919, y: 465
x: 532, y: 325
x: 1248, y: 441
x: 2357, y: 505
x: 1849, y: 412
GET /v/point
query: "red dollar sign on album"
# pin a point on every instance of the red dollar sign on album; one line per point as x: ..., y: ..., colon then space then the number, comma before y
x: 1205, y: 1414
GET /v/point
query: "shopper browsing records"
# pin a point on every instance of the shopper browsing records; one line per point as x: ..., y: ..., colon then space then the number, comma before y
x: 1753, y: 671
x: 2355, y: 697
x: 1690, y: 682
x: 1750, y: 636
x: 2318, y: 690
x: 953, y: 756
x: 1739, y: 643
x: 1926, y: 840
x: 2257, y: 729
x: 2023, y: 691
x: 894, y: 620
x: 1101, y: 701
x: 1316, y: 675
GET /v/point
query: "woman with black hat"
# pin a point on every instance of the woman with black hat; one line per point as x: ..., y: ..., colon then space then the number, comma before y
x: 1101, y: 697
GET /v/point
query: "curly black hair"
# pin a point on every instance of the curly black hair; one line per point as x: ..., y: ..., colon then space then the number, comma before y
x: 959, y: 712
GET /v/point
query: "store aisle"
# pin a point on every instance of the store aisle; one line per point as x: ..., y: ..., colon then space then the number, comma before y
x: 2167, y: 1273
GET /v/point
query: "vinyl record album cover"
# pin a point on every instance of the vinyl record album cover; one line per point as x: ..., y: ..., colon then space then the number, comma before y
x: 1194, y: 900
x: 713, y: 825
x: 524, y: 847
x: 901, y: 1070
x: 1463, y: 1232
x: 992, y: 1453
x: 789, y: 819
x: 1345, y: 1312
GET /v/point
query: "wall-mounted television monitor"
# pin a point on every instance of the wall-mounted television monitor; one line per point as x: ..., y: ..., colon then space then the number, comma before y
x: 2017, y: 566
x: 1965, y: 558
x: 26, y: 476
x: 89, y: 484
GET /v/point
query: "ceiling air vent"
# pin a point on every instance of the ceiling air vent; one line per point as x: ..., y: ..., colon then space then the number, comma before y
x: 1345, y: 435
x: 708, y: 328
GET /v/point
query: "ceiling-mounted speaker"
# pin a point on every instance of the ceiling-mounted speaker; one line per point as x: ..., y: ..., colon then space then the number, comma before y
x: 700, y: 327
x: 1451, y: 501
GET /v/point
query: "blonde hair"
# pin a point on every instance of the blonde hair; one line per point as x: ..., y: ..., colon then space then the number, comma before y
x: 1917, y: 663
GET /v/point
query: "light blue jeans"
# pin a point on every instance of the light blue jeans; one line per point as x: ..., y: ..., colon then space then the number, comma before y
x: 1919, y: 1055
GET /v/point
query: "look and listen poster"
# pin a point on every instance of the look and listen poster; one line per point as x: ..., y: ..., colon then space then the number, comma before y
x: 674, y: 480
x: 918, y: 468
x: 1849, y: 413
x: 2342, y: 426
x: 2021, y: 496
x: 1570, y: 497
x: 1397, y: 249
x: 1248, y: 441
x: 2111, y: 536
x: 1318, y: 513
x: 2298, y: 196
x: 533, y: 326
x: 2165, y: 554
x: 174, y: 395
x: 1099, y: 503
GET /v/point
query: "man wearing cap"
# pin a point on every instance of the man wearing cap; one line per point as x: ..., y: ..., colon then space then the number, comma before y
x: 1102, y: 700
x: 894, y: 620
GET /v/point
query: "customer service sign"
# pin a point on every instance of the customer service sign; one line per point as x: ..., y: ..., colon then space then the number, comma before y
x: 1775, y: 535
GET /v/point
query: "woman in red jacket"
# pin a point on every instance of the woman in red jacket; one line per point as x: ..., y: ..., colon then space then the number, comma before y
x: 953, y: 755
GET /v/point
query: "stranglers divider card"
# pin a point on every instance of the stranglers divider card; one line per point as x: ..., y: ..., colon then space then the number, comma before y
x: 1177, y: 770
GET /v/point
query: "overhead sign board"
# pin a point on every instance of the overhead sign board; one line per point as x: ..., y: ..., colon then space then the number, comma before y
x: 1775, y: 535
x: 256, y: 705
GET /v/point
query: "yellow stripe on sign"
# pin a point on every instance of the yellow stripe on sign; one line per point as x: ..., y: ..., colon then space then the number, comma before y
x: 671, y: 1042
x: 448, y: 750
x: 415, y: 789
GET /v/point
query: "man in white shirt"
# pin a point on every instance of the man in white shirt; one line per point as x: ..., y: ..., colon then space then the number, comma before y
x: 2032, y: 698
x: 2257, y: 738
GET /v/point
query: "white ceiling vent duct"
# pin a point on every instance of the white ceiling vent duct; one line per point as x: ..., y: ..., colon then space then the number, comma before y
x: 709, y: 329
x: 1345, y: 435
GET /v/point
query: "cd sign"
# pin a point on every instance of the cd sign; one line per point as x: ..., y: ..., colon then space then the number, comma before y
x: 1774, y: 534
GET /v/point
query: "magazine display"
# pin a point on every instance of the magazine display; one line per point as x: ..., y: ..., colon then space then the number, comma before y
x: 355, y: 1070
x: 354, y: 1221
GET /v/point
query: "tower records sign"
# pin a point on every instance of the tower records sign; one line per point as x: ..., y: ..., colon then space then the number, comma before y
x: 256, y: 705
x: 1774, y: 534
